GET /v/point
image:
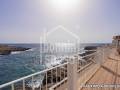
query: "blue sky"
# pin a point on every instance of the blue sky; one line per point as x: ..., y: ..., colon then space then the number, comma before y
x: 23, y: 21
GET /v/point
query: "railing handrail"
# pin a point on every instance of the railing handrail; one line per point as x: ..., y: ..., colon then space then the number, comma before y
x: 23, y: 78
x: 88, y: 55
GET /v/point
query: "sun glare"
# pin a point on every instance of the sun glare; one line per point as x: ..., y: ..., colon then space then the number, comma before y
x: 63, y: 5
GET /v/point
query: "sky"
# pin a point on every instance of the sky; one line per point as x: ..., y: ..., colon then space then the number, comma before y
x: 24, y: 21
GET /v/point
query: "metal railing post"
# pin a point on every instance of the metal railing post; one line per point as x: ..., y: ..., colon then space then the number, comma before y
x: 23, y: 84
x: 52, y: 77
x: 12, y: 86
x: 32, y: 83
x: 72, y: 74
x: 40, y: 86
x: 46, y: 81
x: 56, y: 75
x: 60, y: 76
x: 64, y: 72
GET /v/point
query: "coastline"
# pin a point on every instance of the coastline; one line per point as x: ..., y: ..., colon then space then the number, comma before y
x: 7, y: 50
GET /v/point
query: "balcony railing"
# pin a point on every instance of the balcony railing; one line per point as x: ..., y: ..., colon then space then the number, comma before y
x: 34, y: 81
x: 51, y: 78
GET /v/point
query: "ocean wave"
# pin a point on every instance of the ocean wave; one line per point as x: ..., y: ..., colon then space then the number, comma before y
x: 48, y: 65
x: 32, y: 49
x: 16, y: 52
x: 36, y: 83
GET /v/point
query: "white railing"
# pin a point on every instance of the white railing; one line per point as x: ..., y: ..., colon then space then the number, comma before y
x: 51, y: 77
x: 45, y: 86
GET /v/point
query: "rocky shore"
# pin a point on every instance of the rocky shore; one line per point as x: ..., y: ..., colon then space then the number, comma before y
x: 89, y: 50
x: 6, y: 49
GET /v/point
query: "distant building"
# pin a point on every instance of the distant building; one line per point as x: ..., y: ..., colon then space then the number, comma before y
x: 116, y: 41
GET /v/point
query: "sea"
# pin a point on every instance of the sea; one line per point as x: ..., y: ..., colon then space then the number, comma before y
x: 20, y: 64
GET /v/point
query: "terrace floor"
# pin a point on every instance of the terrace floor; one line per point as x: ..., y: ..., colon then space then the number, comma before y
x: 107, y: 76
